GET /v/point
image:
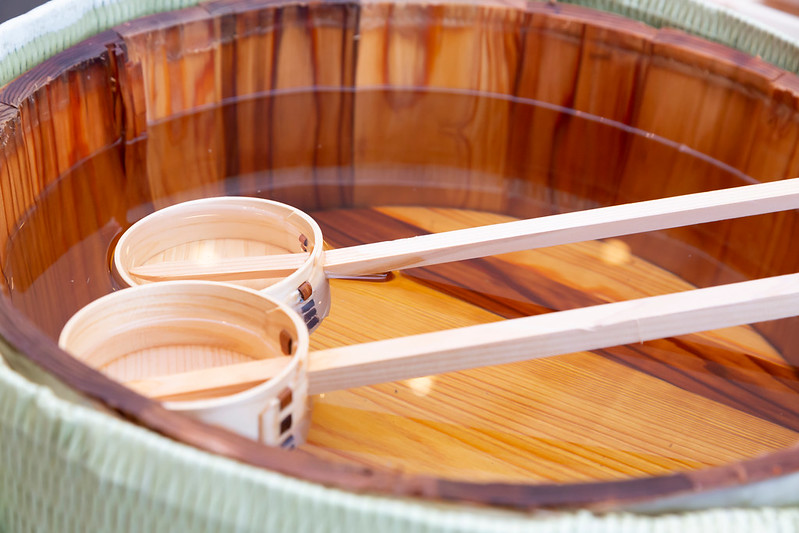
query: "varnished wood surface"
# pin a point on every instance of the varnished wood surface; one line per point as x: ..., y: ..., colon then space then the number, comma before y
x: 130, y: 121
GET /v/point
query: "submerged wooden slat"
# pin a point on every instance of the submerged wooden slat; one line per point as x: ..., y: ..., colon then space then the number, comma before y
x: 567, y: 445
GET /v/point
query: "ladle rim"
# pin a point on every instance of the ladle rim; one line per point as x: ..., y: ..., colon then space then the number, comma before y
x: 300, y: 349
x: 199, y: 206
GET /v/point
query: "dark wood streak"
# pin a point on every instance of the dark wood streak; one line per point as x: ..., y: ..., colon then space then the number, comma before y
x: 9, y: 133
x: 719, y: 375
x: 66, y: 375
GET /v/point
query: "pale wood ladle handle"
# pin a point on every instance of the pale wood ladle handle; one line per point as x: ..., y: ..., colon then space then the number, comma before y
x: 496, y: 239
x: 587, y: 328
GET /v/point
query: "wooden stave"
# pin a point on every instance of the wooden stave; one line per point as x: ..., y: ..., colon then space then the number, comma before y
x: 111, y: 49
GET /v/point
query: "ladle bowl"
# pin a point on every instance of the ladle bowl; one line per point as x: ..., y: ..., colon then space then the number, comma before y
x: 161, y: 329
x: 207, y: 229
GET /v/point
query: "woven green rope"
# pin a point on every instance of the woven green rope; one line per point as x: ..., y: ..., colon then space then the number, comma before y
x: 710, y: 22
x: 62, y: 23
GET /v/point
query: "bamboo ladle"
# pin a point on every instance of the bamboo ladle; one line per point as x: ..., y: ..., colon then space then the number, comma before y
x: 305, y: 285
x: 265, y: 399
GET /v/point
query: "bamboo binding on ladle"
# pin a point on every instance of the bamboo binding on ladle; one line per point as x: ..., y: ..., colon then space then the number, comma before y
x: 156, y: 248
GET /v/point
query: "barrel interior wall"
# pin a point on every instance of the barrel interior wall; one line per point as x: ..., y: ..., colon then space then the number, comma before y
x: 233, y: 98
x: 9, y: 168
x: 64, y: 111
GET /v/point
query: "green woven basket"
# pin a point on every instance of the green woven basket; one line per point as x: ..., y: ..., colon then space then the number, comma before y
x: 67, y: 467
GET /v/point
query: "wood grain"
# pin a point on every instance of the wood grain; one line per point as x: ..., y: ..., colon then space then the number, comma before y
x: 723, y: 392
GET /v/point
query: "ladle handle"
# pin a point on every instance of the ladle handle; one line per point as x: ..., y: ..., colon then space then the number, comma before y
x: 458, y: 245
x: 586, y: 225
x: 587, y: 328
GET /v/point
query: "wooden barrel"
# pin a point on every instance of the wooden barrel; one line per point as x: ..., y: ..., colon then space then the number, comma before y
x: 391, y: 120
